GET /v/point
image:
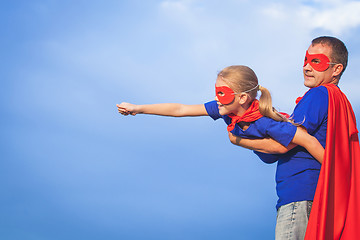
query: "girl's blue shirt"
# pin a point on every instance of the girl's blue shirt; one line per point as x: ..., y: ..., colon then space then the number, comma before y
x: 283, y: 132
x: 297, y: 171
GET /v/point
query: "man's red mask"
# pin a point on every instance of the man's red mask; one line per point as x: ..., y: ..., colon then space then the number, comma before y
x: 224, y: 94
x: 319, y: 62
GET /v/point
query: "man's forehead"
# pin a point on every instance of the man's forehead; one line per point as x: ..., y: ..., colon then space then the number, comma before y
x: 319, y: 48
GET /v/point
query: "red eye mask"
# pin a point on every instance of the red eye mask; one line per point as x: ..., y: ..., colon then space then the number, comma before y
x: 224, y: 94
x: 319, y: 62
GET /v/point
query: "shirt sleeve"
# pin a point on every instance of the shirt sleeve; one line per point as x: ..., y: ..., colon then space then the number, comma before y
x: 282, y: 132
x: 311, y: 111
x: 213, y: 110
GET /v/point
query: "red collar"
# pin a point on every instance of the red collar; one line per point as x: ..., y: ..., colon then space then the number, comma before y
x: 250, y: 115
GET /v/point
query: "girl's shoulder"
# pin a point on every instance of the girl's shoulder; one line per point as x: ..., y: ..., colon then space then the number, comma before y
x: 263, y: 120
x: 262, y: 123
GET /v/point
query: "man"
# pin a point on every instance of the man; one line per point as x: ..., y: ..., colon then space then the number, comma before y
x: 298, y: 172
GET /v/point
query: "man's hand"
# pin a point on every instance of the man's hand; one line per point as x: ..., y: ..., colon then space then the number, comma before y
x: 235, y: 139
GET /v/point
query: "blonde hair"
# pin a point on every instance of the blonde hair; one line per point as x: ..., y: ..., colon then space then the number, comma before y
x: 243, y: 79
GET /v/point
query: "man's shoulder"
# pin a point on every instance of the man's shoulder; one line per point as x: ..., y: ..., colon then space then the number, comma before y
x: 317, y: 94
x: 312, y: 111
x: 320, y: 90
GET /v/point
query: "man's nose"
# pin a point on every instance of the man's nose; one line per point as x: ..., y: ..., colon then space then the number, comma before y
x: 307, y: 67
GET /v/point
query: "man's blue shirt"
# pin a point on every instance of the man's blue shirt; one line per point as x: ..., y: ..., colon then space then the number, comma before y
x: 297, y: 171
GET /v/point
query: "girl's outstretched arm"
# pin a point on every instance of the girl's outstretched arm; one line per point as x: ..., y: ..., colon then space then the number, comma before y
x: 163, y: 109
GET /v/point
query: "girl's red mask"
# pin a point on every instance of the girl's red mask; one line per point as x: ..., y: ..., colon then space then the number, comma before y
x: 224, y: 94
x: 319, y: 62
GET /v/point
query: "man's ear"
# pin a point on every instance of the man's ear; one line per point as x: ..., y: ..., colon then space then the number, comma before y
x: 337, y: 69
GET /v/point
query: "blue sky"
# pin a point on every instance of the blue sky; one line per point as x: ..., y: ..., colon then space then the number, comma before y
x: 73, y: 168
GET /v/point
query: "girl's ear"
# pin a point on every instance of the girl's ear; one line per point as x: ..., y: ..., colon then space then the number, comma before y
x: 243, y: 98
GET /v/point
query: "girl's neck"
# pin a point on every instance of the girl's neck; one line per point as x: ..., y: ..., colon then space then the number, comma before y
x: 242, y: 110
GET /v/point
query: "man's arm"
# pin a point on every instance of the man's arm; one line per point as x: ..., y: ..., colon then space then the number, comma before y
x: 264, y: 145
x: 270, y: 146
x: 309, y: 142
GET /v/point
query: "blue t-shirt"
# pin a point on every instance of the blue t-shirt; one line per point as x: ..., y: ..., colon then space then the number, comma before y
x: 282, y: 132
x: 297, y: 171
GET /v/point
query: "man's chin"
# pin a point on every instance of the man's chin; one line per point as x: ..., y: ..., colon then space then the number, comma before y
x: 309, y: 84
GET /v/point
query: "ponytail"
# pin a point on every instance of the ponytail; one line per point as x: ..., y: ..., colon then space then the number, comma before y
x: 266, y: 108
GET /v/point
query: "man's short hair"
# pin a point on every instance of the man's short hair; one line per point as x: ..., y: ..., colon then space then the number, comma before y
x: 339, y: 53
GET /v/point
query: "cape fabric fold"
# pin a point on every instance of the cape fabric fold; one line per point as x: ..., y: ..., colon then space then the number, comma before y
x: 335, y: 212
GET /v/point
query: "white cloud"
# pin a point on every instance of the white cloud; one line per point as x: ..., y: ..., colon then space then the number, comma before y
x: 339, y: 19
x: 336, y: 16
x: 199, y: 40
x: 260, y: 34
x: 276, y: 11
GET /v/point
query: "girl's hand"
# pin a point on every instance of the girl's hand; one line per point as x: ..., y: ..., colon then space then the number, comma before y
x: 127, y: 108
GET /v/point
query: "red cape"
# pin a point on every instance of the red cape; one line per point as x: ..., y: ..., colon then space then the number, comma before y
x: 335, y: 212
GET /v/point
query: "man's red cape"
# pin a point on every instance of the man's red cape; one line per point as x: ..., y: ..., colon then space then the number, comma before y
x: 335, y: 212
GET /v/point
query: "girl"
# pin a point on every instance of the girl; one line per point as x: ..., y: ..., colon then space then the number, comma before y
x: 235, y: 102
